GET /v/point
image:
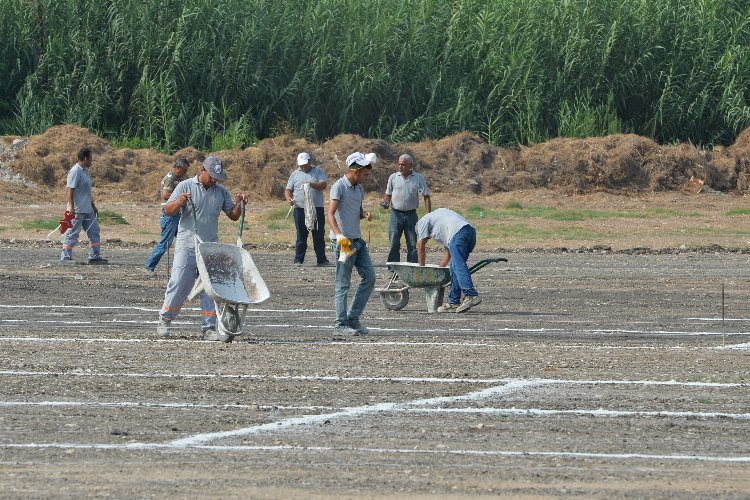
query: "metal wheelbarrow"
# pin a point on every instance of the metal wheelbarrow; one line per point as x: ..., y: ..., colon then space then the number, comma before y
x: 228, y: 275
x: 434, y: 279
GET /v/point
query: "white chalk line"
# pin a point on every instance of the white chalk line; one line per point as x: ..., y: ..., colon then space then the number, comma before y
x: 137, y: 404
x: 307, y: 420
x: 331, y: 378
x: 534, y: 412
x: 377, y: 451
x: 137, y: 308
x: 599, y: 412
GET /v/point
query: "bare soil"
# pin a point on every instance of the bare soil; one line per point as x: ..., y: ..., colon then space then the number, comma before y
x: 594, y: 375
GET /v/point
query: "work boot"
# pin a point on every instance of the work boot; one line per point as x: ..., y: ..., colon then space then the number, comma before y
x: 344, y: 331
x: 359, y: 327
x: 162, y: 329
x: 97, y: 260
x: 210, y: 334
x: 150, y: 273
x: 447, y: 308
x: 67, y: 261
x: 468, y: 303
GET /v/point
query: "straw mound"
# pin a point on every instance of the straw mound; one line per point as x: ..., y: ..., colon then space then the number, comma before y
x: 622, y: 164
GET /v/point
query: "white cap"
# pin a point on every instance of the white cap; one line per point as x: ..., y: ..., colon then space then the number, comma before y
x: 303, y: 159
x: 360, y: 159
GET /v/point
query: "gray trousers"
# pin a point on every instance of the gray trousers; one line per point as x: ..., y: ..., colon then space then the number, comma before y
x: 402, y: 223
x: 184, y: 273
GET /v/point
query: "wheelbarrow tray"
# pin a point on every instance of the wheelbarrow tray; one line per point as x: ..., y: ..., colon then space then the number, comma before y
x: 228, y: 274
x: 416, y: 276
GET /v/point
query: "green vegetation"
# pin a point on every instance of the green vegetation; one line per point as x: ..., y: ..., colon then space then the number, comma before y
x: 738, y: 211
x: 222, y: 73
x: 110, y: 218
x: 47, y: 224
x: 475, y: 212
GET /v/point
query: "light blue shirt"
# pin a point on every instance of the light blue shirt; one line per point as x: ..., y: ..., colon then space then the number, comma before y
x: 405, y: 193
x: 298, y: 179
x: 350, y: 204
x: 80, y: 181
x: 209, y: 203
x: 441, y: 225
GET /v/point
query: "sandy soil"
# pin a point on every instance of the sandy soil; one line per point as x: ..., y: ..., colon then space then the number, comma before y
x: 595, y: 375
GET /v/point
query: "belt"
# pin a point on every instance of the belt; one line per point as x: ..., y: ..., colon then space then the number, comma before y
x: 404, y: 211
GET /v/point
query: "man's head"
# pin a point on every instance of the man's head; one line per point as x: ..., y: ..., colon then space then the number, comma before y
x: 84, y: 157
x: 180, y: 167
x: 303, y: 161
x: 360, y: 167
x: 405, y: 164
x: 211, y: 171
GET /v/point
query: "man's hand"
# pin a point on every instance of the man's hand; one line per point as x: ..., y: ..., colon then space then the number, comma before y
x: 367, y: 215
x: 384, y: 204
x: 240, y: 198
x: 340, y: 237
x: 183, y: 199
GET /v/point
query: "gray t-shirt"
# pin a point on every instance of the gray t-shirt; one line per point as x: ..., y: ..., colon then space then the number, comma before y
x: 350, y: 204
x: 298, y: 179
x: 405, y: 193
x: 441, y: 225
x: 209, y: 203
x: 80, y: 181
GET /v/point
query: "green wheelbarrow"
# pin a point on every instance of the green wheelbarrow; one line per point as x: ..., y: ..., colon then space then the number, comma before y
x: 434, y: 279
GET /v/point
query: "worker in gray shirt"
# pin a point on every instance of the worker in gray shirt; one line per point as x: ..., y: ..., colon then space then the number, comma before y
x: 344, y: 213
x: 304, y: 191
x: 458, y: 238
x: 402, y: 195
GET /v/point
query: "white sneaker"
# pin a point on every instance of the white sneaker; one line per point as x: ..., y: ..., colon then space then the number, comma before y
x: 162, y: 329
x: 150, y: 273
x: 214, y: 336
x: 468, y: 303
x: 67, y: 262
x: 447, y: 308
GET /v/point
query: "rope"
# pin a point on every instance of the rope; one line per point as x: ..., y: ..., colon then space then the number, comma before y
x: 311, y: 215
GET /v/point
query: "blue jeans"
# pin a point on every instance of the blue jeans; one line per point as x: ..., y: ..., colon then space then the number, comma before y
x: 406, y: 223
x: 318, y: 236
x: 460, y: 247
x: 360, y: 259
x: 169, y: 225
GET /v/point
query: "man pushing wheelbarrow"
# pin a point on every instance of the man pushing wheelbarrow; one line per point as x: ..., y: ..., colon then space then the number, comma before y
x: 458, y: 238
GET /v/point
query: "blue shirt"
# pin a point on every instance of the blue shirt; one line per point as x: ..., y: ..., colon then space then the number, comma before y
x: 209, y: 203
x: 441, y: 225
x: 298, y: 179
x: 80, y: 181
x: 350, y: 205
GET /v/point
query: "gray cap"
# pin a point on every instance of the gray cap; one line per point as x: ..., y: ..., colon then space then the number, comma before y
x: 215, y: 168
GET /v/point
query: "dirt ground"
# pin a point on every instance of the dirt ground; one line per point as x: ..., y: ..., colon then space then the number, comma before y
x: 594, y: 375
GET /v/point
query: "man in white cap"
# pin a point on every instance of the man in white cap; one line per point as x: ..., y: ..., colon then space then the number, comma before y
x: 305, y: 200
x: 344, y: 213
x: 458, y: 238
x: 402, y: 195
x: 209, y: 199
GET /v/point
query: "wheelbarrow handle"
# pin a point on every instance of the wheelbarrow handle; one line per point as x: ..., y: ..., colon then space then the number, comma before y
x: 486, y: 262
x: 242, y: 220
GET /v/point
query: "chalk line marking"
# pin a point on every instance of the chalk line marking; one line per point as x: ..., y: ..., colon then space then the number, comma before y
x: 307, y: 420
x: 378, y: 451
x: 534, y: 412
x: 332, y: 378
x: 600, y: 412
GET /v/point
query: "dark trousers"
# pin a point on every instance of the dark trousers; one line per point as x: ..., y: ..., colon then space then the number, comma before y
x: 403, y: 223
x: 318, y: 236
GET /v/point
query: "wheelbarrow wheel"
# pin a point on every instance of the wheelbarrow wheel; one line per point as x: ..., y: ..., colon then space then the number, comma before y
x: 394, y: 300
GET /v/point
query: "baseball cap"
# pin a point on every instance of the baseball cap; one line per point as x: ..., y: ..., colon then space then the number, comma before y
x: 360, y: 159
x: 215, y: 168
x: 303, y: 159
